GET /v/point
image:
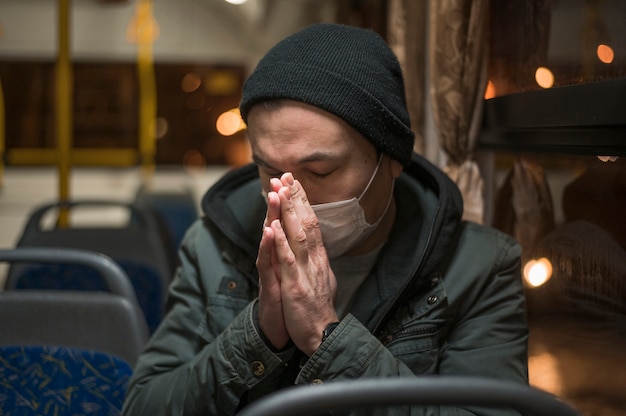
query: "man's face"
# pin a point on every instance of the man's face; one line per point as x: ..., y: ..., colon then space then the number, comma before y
x: 332, y: 161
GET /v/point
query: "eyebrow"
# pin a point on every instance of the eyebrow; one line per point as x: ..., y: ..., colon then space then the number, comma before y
x: 316, y: 157
x: 313, y: 157
x: 260, y: 161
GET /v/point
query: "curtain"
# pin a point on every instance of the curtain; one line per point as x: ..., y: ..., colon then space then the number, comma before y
x: 457, y: 59
x: 406, y: 34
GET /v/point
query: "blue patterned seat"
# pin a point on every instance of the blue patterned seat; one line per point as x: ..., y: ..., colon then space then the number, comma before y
x: 40, y: 380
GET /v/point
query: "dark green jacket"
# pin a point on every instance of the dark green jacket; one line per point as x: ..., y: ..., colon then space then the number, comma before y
x: 445, y: 297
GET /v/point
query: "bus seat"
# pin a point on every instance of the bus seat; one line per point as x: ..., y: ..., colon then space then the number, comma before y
x: 50, y: 380
x: 136, y: 245
x: 175, y: 209
x: 109, y: 321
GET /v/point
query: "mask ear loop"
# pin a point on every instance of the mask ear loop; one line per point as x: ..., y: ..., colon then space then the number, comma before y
x: 371, y: 178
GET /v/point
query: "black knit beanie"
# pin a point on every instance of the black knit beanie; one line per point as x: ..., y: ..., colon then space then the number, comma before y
x: 348, y: 71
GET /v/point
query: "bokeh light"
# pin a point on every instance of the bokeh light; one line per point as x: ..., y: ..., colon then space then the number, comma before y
x: 193, y: 161
x: 161, y: 127
x: 537, y: 272
x: 607, y: 158
x: 229, y: 122
x: 221, y: 82
x: 490, y: 91
x: 190, y: 82
x: 605, y: 54
x: 544, y: 77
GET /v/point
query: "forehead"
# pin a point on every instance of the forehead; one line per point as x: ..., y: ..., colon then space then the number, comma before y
x: 288, y: 130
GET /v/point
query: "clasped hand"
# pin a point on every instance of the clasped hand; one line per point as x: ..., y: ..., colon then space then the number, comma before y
x: 296, y: 284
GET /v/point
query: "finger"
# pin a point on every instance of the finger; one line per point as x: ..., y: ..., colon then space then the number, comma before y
x: 310, y: 223
x: 269, y: 277
x: 265, y: 254
x: 273, y: 203
x: 270, y: 313
x: 304, y: 211
x: 275, y: 184
x: 298, y: 195
x: 284, y: 255
x: 273, y: 208
x: 295, y: 235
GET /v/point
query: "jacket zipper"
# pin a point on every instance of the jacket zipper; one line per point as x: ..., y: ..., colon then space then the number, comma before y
x: 376, y: 327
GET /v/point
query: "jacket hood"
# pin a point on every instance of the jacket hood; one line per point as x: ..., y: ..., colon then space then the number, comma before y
x: 236, y: 208
x: 444, y: 220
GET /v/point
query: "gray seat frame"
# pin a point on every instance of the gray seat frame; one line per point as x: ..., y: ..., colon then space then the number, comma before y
x: 104, y: 321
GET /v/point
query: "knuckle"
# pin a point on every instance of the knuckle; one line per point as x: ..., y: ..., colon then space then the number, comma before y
x: 303, y: 197
x: 260, y: 265
x: 290, y: 260
x: 310, y: 222
x: 296, y: 193
x: 290, y: 209
x: 300, y: 237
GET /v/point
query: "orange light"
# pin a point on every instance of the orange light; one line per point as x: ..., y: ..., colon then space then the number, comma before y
x: 190, y: 82
x: 221, y: 83
x: 537, y: 272
x: 229, y: 122
x: 544, y: 77
x: 605, y: 54
x: 490, y: 91
x: 193, y: 161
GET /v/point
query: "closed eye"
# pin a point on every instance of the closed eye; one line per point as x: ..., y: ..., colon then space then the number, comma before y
x: 320, y: 174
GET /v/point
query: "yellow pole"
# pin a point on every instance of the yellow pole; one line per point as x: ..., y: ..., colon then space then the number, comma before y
x: 146, y: 32
x: 64, y: 107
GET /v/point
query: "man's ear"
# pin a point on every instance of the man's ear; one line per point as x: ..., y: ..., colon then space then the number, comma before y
x: 396, y: 167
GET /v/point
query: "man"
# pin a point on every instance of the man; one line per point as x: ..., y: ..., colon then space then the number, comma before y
x: 339, y: 254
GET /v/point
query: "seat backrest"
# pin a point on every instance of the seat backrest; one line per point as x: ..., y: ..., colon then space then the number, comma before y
x: 137, y: 246
x: 114, y: 277
x: 176, y: 210
x: 46, y: 380
x: 420, y: 391
x: 109, y: 321
x: 138, y: 240
x: 92, y: 320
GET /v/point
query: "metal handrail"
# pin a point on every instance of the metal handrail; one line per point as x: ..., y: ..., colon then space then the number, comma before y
x: 419, y: 391
x: 114, y: 276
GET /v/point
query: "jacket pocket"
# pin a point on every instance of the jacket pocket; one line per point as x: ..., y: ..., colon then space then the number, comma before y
x: 417, y: 345
x: 231, y: 297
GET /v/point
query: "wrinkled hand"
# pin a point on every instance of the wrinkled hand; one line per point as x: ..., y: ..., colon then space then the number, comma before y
x: 294, y: 270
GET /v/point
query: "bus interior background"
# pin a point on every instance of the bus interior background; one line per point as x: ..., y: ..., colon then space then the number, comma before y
x: 551, y: 146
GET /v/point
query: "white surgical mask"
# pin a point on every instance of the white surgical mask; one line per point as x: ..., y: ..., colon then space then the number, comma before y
x: 343, y: 223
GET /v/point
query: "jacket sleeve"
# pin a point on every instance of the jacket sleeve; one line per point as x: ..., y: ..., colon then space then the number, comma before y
x: 485, y: 330
x: 198, y: 366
